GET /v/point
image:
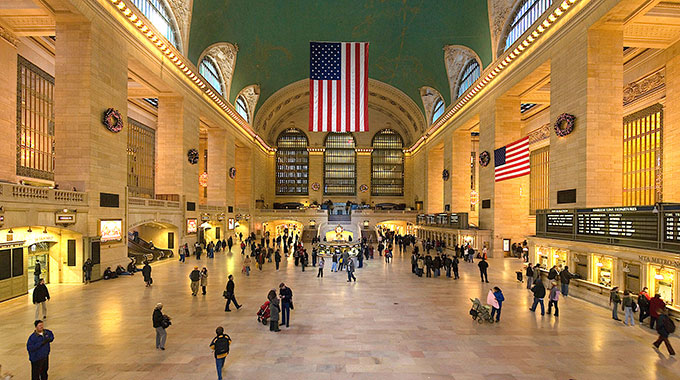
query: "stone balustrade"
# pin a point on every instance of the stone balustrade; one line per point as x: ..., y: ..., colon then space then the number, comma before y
x: 44, y: 195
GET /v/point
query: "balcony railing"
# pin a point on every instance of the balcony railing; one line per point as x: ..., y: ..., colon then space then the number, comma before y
x: 152, y: 203
x: 22, y: 193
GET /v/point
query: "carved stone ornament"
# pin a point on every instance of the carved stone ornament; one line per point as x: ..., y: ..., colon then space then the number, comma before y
x: 251, y: 94
x: 429, y: 96
x: 499, y: 11
x: 182, y: 11
x: 539, y: 134
x: 224, y: 55
x: 455, y: 58
x: 638, y: 89
x: 7, y: 35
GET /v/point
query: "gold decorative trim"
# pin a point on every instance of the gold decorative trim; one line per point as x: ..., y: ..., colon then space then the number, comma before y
x: 539, y: 134
x: 644, y: 86
x: 8, y: 36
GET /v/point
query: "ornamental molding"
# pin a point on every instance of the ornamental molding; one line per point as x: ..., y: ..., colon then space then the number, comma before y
x: 7, y: 35
x: 540, y: 134
x: 181, y: 9
x: 224, y: 55
x: 499, y: 12
x: 429, y: 96
x: 644, y: 86
x: 251, y: 94
x: 455, y: 59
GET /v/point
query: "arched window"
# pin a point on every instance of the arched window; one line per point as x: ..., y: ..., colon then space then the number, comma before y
x: 438, y: 109
x: 339, y: 165
x: 242, y: 108
x: 387, y: 164
x: 159, y: 15
x: 209, y: 71
x: 468, y: 76
x: 292, y: 163
x: 526, y: 14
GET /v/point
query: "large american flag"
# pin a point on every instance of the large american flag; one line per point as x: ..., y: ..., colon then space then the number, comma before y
x: 338, y: 87
x: 512, y: 160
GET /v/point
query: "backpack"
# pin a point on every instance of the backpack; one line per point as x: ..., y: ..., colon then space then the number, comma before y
x: 634, y: 307
x: 222, y: 344
x: 668, y: 325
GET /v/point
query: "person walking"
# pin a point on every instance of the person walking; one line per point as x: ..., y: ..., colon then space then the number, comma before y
x: 246, y: 265
x: 229, y: 294
x: 350, y: 270
x: 274, y: 309
x: 182, y: 254
x: 38, y: 347
x: 204, y: 279
x: 230, y: 243
x: 146, y: 274
x: 565, y: 279
x: 277, y: 258
x: 530, y: 276
x: 643, y: 303
x: 454, y: 266
x: 40, y: 297
x: 614, y: 301
x: 37, y: 273
x: 498, y: 304
x: 483, y: 266
x: 322, y: 263
x: 539, y: 293
x: 628, y: 309
x: 195, y: 277
x: 220, y: 346
x: 664, y: 327
x: 334, y: 266
x: 655, y: 304
x: 87, y: 271
x: 553, y: 298
x: 160, y: 323
x: 286, y: 295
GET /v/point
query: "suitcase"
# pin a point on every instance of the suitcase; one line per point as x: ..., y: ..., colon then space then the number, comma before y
x: 520, y: 277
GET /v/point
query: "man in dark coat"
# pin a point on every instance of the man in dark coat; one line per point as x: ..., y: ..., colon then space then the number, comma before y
x: 229, y: 294
x: 539, y: 293
x: 663, y: 325
x: 483, y: 266
x: 38, y: 346
x: 40, y: 297
x: 146, y: 273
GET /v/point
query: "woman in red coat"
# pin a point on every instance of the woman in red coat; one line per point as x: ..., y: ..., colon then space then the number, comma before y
x: 655, y: 304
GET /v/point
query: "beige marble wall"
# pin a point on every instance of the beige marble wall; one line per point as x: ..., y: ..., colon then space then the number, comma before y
x: 671, y: 134
x: 217, y: 166
x: 8, y: 111
x: 435, y: 183
x: 243, y: 194
x: 461, y: 146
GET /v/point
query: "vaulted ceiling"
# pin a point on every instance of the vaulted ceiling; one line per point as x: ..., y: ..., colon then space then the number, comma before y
x: 406, y: 38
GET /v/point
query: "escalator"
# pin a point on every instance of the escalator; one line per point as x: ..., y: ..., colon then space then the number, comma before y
x: 141, y: 250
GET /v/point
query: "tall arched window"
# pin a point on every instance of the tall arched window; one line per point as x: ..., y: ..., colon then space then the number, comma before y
x: 468, y: 76
x: 242, y: 108
x: 525, y: 15
x: 387, y: 164
x: 292, y: 163
x: 339, y: 165
x: 438, y: 109
x: 159, y: 15
x: 208, y: 69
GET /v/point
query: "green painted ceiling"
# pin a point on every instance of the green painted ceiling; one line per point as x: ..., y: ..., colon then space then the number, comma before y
x: 406, y: 38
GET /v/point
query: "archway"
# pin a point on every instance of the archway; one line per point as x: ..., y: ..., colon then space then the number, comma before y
x: 152, y: 240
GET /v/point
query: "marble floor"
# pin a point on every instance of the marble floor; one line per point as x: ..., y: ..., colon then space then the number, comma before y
x: 388, y: 325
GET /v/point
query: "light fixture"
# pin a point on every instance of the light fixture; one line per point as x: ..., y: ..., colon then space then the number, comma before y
x: 599, y: 264
x: 557, y: 255
x: 658, y: 276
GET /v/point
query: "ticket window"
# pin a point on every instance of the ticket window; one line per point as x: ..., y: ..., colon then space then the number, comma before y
x: 581, y: 266
x: 604, y: 271
x: 664, y: 281
x: 559, y: 258
x: 632, y: 277
x: 543, y: 257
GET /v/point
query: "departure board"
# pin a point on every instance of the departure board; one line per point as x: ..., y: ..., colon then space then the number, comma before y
x: 560, y: 221
x: 638, y: 223
x: 671, y: 221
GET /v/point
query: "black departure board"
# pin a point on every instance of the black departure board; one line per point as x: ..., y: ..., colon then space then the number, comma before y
x: 671, y: 224
x: 560, y: 221
x: 639, y: 223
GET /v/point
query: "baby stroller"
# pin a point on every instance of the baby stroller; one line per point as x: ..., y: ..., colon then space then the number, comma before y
x: 263, y: 313
x: 480, y: 312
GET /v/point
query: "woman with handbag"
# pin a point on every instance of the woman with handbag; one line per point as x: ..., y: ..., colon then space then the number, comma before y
x: 160, y: 323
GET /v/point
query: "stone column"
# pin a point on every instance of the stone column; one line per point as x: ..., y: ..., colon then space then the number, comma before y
x: 587, y: 81
x: 671, y: 135
x: 218, y: 176
x: 363, y: 177
x: 243, y: 194
x: 89, y: 157
x: 8, y: 110
x: 316, y: 175
x: 448, y: 159
x: 435, y: 183
x: 460, y: 171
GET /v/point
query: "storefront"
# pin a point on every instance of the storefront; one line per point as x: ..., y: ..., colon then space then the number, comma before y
x: 663, y: 283
x: 560, y: 257
x: 604, y: 269
x: 543, y: 257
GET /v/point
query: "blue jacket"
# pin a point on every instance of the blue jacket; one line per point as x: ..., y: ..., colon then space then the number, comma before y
x: 499, y: 298
x: 39, y: 346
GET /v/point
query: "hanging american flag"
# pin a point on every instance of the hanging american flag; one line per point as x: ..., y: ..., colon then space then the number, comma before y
x: 512, y: 161
x: 338, y: 87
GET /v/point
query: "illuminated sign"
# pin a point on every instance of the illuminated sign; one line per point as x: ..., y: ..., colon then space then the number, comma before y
x: 192, y: 225
x: 111, y: 230
x: 231, y: 223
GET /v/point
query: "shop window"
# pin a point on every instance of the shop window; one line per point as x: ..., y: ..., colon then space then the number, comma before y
x: 539, y: 179
x: 604, y: 271
x: 141, y: 150
x: 632, y: 277
x: 559, y: 258
x: 664, y: 279
x: 468, y: 76
x: 528, y: 12
x: 292, y: 163
x: 5, y: 264
x: 387, y: 164
x: 159, y: 15
x: 543, y: 257
x: 339, y: 165
x: 643, y: 156
x: 581, y: 268
x: 17, y: 262
x: 71, y: 252
x: 35, y: 121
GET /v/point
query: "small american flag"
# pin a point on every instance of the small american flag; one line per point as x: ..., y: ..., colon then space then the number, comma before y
x: 338, y: 87
x: 512, y: 161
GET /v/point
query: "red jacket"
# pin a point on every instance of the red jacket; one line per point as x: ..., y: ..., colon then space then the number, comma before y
x: 655, y: 304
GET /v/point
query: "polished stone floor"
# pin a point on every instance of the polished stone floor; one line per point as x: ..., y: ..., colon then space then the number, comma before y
x: 388, y: 325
